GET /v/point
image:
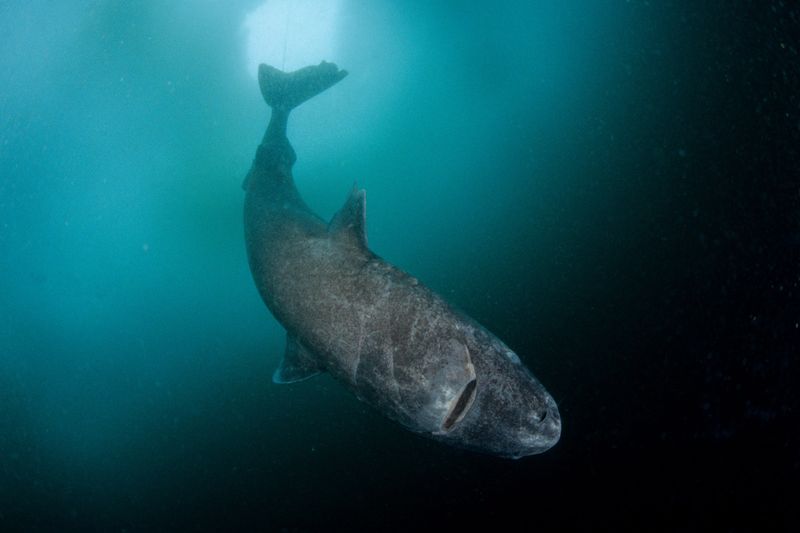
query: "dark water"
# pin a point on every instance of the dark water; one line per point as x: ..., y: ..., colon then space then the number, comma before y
x: 611, y: 187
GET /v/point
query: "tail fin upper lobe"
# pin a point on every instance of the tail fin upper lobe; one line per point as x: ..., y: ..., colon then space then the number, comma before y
x: 287, y: 90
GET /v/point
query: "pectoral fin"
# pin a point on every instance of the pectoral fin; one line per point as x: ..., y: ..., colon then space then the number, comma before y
x: 298, y: 363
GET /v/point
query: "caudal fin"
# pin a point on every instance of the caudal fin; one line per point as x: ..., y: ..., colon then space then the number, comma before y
x: 287, y: 90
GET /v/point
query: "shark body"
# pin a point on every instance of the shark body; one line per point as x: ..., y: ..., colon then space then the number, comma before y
x: 382, y: 333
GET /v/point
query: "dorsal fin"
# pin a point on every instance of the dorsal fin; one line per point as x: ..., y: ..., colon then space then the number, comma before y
x: 298, y: 363
x: 350, y: 222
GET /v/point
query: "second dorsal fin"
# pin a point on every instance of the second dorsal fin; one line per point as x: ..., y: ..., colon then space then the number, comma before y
x: 350, y: 222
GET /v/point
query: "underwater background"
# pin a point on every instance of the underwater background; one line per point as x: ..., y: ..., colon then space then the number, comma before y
x: 611, y: 187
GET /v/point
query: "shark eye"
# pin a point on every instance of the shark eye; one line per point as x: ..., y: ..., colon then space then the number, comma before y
x: 460, y: 406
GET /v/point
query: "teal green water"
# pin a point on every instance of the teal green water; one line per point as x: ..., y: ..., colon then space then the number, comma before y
x: 577, y: 176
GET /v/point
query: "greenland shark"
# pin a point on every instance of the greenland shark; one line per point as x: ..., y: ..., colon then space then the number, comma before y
x: 388, y: 338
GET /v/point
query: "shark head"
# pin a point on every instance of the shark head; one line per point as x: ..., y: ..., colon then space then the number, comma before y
x: 502, y: 409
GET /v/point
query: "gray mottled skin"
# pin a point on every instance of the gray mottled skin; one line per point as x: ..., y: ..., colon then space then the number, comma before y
x: 389, y: 339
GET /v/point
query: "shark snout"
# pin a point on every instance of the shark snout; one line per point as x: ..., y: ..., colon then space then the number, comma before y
x: 549, y: 423
x: 543, y: 429
x: 547, y: 411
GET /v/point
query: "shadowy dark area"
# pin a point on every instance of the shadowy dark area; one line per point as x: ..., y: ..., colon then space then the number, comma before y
x: 612, y: 188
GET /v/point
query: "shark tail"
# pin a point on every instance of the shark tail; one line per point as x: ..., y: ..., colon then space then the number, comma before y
x: 287, y: 90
